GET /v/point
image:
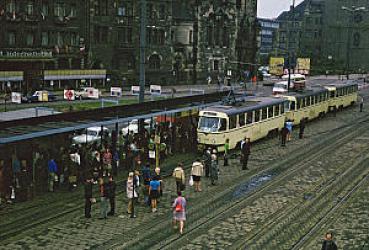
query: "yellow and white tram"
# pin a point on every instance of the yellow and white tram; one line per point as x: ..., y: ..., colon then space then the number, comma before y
x: 254, y: 118
x: 259, y: 116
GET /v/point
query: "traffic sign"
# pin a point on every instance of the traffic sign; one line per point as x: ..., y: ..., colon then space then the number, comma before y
x: 69, y: 95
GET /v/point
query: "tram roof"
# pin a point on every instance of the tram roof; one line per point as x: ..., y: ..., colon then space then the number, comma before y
x: 248, y: 104
x: 307, y: 92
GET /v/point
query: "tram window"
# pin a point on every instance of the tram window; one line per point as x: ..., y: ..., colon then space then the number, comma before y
x: 249, y: 118
x: 292, y: 105
x: 302, y: 103
x: 241, y: 119
x: 276, y: 110
x: 333, y: 93
x: 298, y: 104
x: 323, y: 97
x: 270, y: 112
x: 257, y: 115
x: 317, y: 98
x: 223, y: 124
x: 308, y: 101
x: 313, y: 100
x: 264, y: 113
x: 232, y: 121
x: 282, y: 107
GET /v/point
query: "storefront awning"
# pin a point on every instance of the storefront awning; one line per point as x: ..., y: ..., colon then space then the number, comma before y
x: 74, y: 74
x: 11, y: 76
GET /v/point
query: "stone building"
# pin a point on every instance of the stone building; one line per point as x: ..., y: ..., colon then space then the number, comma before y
x: 186, y: 41
x: 38, y: 36
x: 333, y: 38
x: 269, y: 28
x: 215, y: 39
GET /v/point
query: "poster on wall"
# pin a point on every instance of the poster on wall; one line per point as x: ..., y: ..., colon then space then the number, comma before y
x: 16, y: 97
x: 276, y: 66
x: 303, y: 66
x: 135, y: 90
x: 116, y: 91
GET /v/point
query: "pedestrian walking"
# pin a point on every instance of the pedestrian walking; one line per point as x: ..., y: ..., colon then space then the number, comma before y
x: 214, y: 169
x: 154, y: 192
x: 146, y: 176
x: 131, y: 193
x: 88, y: 197
x: 226, y: 152
x: 179, y: 211
x: 328, y: 243
x: 179, y: 177
x: 302, y: 128
x: 284, y: 133
x: 104, y: 198
x: 361, y: 104
x: 197, y: 171
x: 111, y: 195
x: 289, y: 126
x: 52, y: 169
x: 207, y: 161
x: 245, y: 153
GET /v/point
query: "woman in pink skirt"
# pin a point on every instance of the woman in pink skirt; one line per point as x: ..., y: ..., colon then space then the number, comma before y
x: 179, y: 211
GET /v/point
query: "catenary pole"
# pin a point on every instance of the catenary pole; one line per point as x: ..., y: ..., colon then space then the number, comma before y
x: 142, y: 50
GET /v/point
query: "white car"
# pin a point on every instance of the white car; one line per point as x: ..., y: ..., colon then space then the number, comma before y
x: 85, y: 93
x: 133, y: 126
x: 281, y: 87
x: 93, y: 134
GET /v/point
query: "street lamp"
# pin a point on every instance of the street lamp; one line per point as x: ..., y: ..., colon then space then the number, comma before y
x: 352, y: 11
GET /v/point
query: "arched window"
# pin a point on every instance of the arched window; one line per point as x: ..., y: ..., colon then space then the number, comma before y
x: 154, y: 62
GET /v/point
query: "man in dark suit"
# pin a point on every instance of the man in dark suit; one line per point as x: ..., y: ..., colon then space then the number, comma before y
x: 245, y: 153
x: 88, y: 197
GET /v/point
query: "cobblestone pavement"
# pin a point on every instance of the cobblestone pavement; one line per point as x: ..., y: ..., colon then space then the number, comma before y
x: 73, y: 231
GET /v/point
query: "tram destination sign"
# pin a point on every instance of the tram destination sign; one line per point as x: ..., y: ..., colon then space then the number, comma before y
x: 19, y: 54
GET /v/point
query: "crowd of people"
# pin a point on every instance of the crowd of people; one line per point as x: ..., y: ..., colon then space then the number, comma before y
x: 65, y: 167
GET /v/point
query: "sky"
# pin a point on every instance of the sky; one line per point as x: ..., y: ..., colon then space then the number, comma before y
x: 272, y: 8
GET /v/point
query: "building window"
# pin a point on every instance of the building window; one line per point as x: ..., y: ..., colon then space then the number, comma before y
x: 190, y: 37
x: 29, y: 39
x: 59, y: 9
x: 125, y: 35
x: 11, y: 38
x: 45, y: 9
x: 162, y: 11
x: 104, y: 7
x: 216, y: 65
x: 210, y: 35
x: 10, y: 6
x: 73, y: 11
x: 44, y: 38
x: 59, y: 39
x: 29, y: 8
x: 154, y: 62
x: 74, y: 39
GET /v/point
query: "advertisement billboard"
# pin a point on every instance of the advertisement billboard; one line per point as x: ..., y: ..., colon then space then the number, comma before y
x: 303, y: 66
x: 276, y: 66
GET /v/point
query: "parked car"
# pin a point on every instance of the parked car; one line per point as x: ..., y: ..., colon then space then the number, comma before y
x: 40, y: 96
x: 92, y: 134
x: 133, y: 126
x: 85, y: 93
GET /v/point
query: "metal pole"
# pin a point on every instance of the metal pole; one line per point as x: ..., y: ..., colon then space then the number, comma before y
x: 288, y: 47
x: 349, y: 34
x: 142, y: 50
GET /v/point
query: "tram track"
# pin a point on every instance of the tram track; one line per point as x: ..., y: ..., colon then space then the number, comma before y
x: 44, y: 219
x: 203, y: 219
x: 175, y: 240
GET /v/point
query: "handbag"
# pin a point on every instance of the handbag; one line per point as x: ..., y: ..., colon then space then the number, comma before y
x: 190, y: 182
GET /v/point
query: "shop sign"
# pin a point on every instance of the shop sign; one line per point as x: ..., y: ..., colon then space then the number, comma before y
x: 25, y: 54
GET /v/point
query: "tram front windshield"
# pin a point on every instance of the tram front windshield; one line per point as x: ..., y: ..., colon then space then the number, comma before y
x: 208, y: 124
